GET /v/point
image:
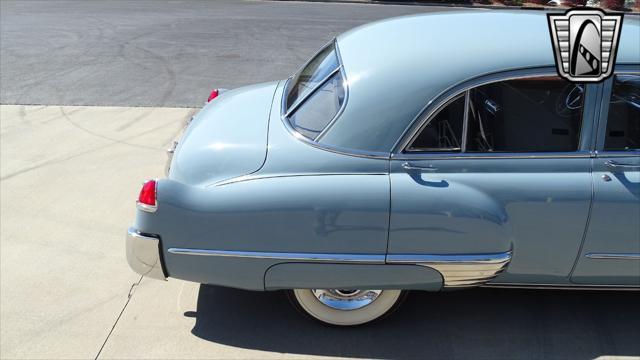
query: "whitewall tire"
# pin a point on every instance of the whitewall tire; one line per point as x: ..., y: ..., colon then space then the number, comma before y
x: 346, y: 307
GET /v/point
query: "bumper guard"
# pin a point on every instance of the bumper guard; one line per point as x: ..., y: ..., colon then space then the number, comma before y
x: 143, y: 255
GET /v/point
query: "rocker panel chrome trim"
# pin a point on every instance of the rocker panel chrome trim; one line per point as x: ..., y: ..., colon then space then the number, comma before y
x: 561, y: 286
x: 307, y: 257
x: 459, y: 271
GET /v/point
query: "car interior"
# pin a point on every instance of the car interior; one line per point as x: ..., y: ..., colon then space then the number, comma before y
x: 527, y: 115
x: 524, y: 115
x: 623, y: 124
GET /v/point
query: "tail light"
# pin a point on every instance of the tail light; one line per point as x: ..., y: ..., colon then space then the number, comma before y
x: 214, y: 94
x: 147, y: 200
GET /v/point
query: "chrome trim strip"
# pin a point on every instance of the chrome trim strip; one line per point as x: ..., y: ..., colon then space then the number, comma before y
x: 459, y: 271
x: 614, y: 256
x: 465, y: 121
x: 562, y: 286
x: 271, y: 176
x: 412, y: 155
x: 170, y: 152
x: 624, y: 154
x: 145, y: 207
x: 307, y: 257
x: 334, y: 149
x: 616, y: 165
x: 448, y: 259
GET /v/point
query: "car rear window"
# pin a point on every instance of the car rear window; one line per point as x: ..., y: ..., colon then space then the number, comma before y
x: 315, y: 95
x: 316, y: 70
x: 320, y: 108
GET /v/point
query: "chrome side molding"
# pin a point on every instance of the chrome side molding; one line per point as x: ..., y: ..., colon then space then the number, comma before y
x: 459, y: 271
x: 286, y: 256
x: 562, y: 286
x: 615, y: 165
x: 614, y: 256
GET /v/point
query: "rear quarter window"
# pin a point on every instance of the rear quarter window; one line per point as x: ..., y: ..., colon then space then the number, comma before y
x: 309, y: 77
x: 315, y: 95
x: 312, y: 117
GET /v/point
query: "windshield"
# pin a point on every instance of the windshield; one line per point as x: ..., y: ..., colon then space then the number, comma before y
x: 323, y: 64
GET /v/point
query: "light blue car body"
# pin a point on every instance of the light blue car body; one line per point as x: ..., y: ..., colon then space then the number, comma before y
x: 249, y: 203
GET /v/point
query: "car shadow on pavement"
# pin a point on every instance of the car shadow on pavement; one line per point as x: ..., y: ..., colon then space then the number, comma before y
x: 478, y: 324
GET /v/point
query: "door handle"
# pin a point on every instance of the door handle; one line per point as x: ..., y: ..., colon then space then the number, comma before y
x: 408, y: 166
x: 614, y: 164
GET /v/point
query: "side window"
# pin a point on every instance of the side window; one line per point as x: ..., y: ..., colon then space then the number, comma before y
x: 526, y: 115
x: 444, y: 130
x: 623, y: 122
x: 538, y: 114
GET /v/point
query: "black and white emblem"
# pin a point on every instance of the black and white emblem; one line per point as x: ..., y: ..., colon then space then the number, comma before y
x: 585, y: 43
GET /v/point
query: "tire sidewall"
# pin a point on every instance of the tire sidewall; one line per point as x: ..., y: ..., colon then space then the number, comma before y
x: 387, y: 302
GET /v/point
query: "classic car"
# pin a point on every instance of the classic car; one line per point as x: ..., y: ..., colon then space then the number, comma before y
x: 408, y: 154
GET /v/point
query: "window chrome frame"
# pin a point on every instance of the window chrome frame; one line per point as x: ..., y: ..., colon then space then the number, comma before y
x: 299, y: 102
x: 379, y: 155
x: 411, y: 149
x: 600, y: 130
x: 299, y: 70
x: 585, y: 149
x: 285, y: 114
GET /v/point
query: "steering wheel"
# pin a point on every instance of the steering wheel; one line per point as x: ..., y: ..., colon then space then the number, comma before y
x: 570, y: 99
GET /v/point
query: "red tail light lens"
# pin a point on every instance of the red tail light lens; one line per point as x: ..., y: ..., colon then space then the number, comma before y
x: 214, y: 94
x: 147, y: 197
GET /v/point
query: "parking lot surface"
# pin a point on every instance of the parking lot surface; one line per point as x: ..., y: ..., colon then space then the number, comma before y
x: 162, y: 53
x: 113, y: 84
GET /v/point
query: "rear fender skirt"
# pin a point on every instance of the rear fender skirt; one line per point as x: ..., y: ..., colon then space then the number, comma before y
x: 351, y: 276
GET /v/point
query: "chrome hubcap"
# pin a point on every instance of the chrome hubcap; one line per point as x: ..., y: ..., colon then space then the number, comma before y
x: 343, y: 299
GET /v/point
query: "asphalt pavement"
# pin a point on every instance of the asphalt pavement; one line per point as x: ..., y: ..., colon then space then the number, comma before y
x: 162, y: 53
x: 69, y: 175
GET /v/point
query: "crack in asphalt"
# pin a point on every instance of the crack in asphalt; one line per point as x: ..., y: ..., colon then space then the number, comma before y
x: 129, y: 296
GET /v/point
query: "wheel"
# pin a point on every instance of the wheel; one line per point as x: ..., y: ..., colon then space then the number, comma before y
x: 346, y: 307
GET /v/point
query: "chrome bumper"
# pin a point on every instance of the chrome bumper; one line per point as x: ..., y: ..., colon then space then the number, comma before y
x: 143, y: 255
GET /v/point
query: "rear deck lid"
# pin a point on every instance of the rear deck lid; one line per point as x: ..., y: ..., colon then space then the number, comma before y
x: 228, y: 138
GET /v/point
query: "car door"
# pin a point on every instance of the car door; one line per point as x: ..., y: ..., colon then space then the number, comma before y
x: 611, y: 251
x: 502, y: 169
